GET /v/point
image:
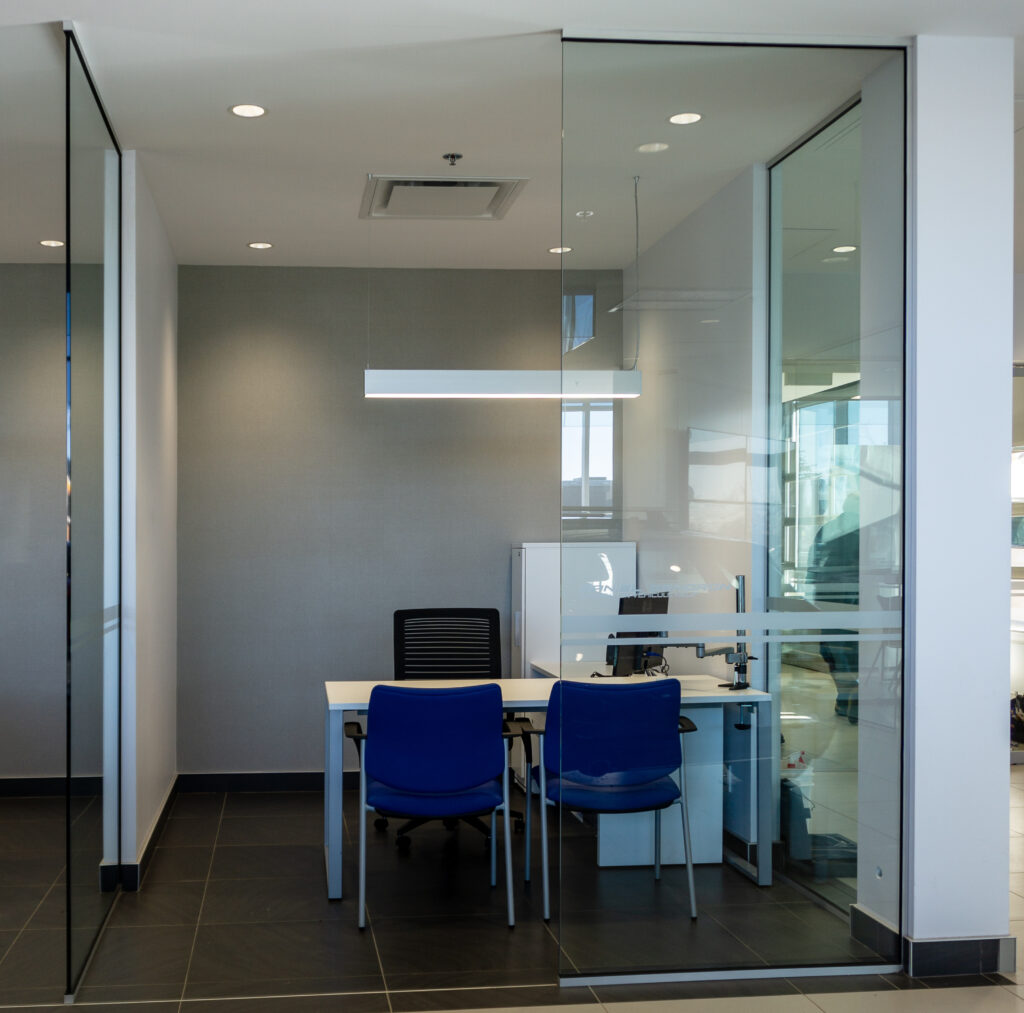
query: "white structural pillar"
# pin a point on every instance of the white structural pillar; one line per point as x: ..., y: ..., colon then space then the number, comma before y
x: 960, y: 298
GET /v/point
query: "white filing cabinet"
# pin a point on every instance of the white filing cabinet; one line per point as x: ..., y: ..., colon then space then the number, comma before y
x: 577, y: 578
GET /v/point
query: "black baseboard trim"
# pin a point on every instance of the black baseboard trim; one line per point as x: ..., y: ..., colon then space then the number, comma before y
x: 261, y: 781
x: 924, y: 958
x: 24, y: 787
x: 875, y: 934
x: 132, y: 873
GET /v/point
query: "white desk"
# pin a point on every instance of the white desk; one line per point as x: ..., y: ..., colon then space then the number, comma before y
x: 525, y: 695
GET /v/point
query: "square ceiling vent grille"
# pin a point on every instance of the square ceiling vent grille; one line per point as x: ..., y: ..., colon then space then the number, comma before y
x: 438, y: 197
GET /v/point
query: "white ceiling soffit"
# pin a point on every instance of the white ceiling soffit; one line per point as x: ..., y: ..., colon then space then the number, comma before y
x: 438, y: 197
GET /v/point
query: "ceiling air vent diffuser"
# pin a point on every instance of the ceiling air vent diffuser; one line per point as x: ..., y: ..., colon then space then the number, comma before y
x: 438, y: 197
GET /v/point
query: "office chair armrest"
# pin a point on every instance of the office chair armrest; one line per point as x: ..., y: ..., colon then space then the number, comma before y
x: 354, y: 730
x: 521, y: 726
x: 686, y: 725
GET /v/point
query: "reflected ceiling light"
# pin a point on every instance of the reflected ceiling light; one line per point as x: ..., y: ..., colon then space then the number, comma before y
x: 560, y: 249
x: 248, y: 112
x: 713, y: 320
x: 843, y: 249
x: 653, y: 146
x: 584, y: 214
x: 502, y: 383
x: 52, y: 243
x: 676, y: 568
x: 834, y: 260
x: 684, y: 119
x: 261, y: 246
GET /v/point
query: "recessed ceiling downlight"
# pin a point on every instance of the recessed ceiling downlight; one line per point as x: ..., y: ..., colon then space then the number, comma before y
x: 843, y: 249
x: 52, y: 243
x: 652, y: 147
x: 560, y: 249
x: 684, y: 119
x: 584, y: 214
x: 247, y: 111
x: 261, y: 246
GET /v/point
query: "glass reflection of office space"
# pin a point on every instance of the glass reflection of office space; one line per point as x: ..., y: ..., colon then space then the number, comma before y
x: 700, y: 487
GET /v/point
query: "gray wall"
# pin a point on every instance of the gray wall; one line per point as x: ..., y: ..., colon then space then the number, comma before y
x: 32, y: 585
x: 307, y: 514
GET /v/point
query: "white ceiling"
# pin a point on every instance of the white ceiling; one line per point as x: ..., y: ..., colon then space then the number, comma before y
x: 358, y: 88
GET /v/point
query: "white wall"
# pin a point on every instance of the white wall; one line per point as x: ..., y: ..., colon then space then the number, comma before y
x: 149, y: 503
x: 959, y: 349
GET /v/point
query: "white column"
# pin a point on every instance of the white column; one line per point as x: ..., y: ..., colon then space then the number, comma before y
x: 959, y: 410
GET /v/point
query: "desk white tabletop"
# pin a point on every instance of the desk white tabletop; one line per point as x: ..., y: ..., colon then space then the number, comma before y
x: 532, y: 694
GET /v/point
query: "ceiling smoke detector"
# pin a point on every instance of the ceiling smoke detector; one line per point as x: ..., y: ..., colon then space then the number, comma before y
x: 438, y: 197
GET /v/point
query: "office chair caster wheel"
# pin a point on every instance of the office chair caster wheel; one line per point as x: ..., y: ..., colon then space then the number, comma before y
x: 380, y: 823
x: 403, y: 843
x: 450, y: 824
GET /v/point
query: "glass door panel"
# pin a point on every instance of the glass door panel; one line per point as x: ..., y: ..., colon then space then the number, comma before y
x: 674, y: 502
x: 93, y: 363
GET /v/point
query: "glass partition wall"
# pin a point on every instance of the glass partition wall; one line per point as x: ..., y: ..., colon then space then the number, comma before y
x: 93, y: 514
x: 737, y: 526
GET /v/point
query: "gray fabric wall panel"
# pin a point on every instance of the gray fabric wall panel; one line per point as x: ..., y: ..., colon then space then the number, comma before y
x: 308, y: 514
x: 32, y: 584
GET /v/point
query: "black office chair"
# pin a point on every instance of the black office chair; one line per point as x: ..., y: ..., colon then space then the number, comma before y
x: 448, y: 643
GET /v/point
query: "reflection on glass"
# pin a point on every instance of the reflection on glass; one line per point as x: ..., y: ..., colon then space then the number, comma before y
x: 763, y: 453
x: 93, y: 512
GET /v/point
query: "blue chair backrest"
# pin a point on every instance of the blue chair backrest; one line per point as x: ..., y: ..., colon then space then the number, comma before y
x: 613, y: 734
x: 434, y: 740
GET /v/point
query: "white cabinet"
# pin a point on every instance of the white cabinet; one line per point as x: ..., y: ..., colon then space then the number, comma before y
x: 550, y: 579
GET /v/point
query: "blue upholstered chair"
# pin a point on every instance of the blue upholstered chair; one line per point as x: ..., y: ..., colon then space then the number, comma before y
x: 434, y: 754
x: 614, y: 749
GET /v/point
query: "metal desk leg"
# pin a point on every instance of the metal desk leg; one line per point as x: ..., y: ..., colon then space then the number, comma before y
x: 334, y: 775
x: 765, y: 822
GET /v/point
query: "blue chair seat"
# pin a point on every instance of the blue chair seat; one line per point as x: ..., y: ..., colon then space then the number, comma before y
x: 612, y: 798
x: 481, y: 799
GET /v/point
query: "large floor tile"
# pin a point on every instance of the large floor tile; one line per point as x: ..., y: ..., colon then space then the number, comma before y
x: 300, y: 828
x: 31, y: 870
x: 255, y: 959
x: 178, y: 865
x: 351, y: 1002
x: 189, y: 833
x: 533, y: 997
x: 269, y: 861
x: 197, y: 805
x: 141, y: 957
x: 273, y: 803
x: 992, y: 999
x: 637, y: 942
x: 464, y: 951
x: 33, y: 836
x: 739, y: 1004
x: 35, y: 959
x: 159, y: 904
x: 271, y: 900
x: 18, y: 904
x: 688, y: 990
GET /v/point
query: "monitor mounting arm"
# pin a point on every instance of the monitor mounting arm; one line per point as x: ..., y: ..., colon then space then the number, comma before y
x: 736, y: 656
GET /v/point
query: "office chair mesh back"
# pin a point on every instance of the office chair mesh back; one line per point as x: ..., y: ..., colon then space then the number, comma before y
x: 434, y: 740
x: 447, y: 643
x: 592, y: 732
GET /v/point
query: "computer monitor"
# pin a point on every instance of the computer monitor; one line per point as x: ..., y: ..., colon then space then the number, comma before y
x: 631, y: 658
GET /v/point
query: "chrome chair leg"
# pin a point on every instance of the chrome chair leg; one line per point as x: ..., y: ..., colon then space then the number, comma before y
x: 507, y: 829
x: 362, y: 841
x: 544, y: 833
x: 529, y: 807
x: 657, y: 844
x: 684, y: 807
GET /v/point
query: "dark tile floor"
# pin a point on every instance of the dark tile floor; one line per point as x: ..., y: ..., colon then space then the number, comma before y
x: 232, y: 915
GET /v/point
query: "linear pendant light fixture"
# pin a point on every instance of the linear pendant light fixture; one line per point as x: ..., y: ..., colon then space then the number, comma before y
x: 589, y: 384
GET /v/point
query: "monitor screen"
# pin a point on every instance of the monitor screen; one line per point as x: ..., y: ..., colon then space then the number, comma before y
x: 631, y: 658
